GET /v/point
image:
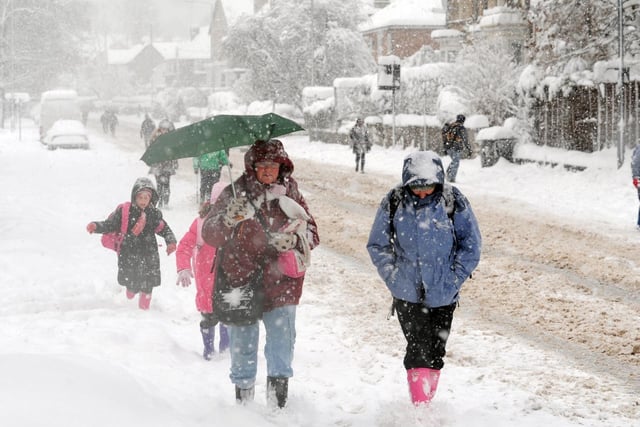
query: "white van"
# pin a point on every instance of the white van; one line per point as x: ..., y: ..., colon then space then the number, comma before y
x: 56, y: 105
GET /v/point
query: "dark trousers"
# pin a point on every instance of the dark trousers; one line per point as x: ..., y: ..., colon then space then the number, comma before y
x: 163, y: 183
x: 208, y: 178
x: 360, y: 161
x: 426, y: 331
x: 209, y: 320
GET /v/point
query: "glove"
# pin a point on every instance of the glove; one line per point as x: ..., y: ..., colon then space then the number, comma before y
x: 91, y: 227
x: 283, y: 241
x: 636, y: 181
x: 238, y: 210
x: 142, y: 221
x: 184, y: 278
x: 171, y: 248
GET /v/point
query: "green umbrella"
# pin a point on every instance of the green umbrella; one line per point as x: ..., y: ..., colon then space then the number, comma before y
x: 217, y: 133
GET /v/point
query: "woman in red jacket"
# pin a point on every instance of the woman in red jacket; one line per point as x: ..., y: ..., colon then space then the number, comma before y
x: 248, y: 231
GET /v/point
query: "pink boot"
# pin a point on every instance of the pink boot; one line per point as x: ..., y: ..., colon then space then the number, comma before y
x: 130, y: 294
x: 423, y: 383
x: 144, y: 301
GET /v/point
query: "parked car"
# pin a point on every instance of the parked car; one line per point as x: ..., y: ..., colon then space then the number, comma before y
x: 60, y: 104
x: 67, y: 134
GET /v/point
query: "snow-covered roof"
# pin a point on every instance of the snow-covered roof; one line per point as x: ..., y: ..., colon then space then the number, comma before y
x: 59, y: 94
x: 408, y: 13
x: 198, y: 48
x: 123, y: 56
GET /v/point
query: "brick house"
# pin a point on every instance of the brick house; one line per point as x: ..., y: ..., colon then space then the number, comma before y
x: 391, y: 31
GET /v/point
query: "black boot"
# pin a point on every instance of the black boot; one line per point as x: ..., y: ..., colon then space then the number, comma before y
x: 277, y: 389
x: 244, y: 395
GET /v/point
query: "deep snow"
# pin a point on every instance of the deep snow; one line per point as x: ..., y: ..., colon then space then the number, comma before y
x: 75, y: 352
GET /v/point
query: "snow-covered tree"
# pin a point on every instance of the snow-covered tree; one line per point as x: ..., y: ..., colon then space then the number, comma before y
x: 39, y: 41
x: 567, y: 29
x: 488, y: 76
x: 285, y: 50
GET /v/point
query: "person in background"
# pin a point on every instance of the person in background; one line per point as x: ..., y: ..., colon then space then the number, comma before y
x: 209, y: 165
x: 360, y: 143
x: 104, y: 120
x: 635, y: 174
x: 424, y: 254
x: 163, y: 170
x: 195, y: 257
x: 454, y: 141
x: 138, y: 259
x: 250, y: 232
x: 146, y: 129
x: 113, y: 122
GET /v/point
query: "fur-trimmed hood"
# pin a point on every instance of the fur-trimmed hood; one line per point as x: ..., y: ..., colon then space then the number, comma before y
x: 144, y: 183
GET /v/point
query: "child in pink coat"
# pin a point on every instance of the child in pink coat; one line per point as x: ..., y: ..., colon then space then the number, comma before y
x: 194, y: 255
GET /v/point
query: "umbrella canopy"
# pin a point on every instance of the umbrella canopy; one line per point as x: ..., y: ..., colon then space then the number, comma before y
x: 217, y: 133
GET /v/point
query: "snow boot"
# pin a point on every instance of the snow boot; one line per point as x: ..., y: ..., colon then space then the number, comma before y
x: 224, y: 338
x: 277, y: 390
x: 423, y: 383
x: 145, y: 301
x: 244, y: 395
x: 130, y: 294
x: 208, y: 336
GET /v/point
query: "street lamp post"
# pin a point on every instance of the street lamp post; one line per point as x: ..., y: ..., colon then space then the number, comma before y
x: 621, y: 123
x: 313, y: 49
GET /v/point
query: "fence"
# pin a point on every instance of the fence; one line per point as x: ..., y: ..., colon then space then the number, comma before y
x: 587, y: 118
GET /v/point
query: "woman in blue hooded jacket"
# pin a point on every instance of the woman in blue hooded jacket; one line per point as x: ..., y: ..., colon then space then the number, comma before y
x: 425, y: 243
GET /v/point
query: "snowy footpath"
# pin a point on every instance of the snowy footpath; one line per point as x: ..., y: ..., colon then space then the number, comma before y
x: 74, y: 352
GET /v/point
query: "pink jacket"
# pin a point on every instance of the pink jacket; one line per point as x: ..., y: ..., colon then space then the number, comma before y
x: 195, y: 255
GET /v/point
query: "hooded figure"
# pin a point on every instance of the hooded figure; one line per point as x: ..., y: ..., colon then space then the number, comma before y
x: 138, y: 259
x: 251, y: 232
x: 456, y: 144
x: 424, y: 254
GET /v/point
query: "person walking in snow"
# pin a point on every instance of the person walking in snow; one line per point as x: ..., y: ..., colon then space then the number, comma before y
x: 268, y: 218
x: 146, y: 129
x: 163, y: 170
x: 104, y: 120
x: 424, y: 247
x: 635, y: 174
x: 195, y: 258
x: 113, y: 122
x: 360, y: 143
x: 138, y: 259
x: 209, y: 165
x: 454, y: 142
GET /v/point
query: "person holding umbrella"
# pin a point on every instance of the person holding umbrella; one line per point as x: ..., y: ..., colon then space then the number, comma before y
x: 247, y: 225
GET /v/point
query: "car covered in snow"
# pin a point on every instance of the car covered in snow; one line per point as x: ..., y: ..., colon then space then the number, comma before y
x: 66, y: 134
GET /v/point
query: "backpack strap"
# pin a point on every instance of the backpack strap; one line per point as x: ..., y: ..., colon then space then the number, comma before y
x: 394, y: 201
x: 449, y: 200
x: 125, y: 217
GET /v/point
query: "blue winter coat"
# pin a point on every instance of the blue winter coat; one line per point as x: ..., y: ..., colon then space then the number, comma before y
x: 431, y: 254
